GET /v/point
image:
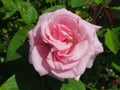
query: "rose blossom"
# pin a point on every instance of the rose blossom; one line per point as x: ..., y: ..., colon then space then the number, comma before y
x: 63, y: 45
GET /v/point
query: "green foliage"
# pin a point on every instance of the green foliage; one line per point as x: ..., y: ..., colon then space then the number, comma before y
x: 20, y: 16
x: 112, y: 40
x: 115, y: 66
x: 73, y: 85
x: 50, y: 1
x: 28, y: 12
x: 82, y: 13
x: 116, y: 11
x: 9, y: 8
x: 77, y: 3
x: 98, y: 1
x: 53, y: 8
x: 2, y: 47
x: 10, y: 84
x: 17, y: 41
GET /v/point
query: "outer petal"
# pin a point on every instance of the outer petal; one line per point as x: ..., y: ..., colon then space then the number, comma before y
x: 75, y: 72
x: 31, y: 40
x: 87, y: 30
x: 64, y: 74
x: 43, y: 18
x: 97, y: 47
x: 38, y: 56
x: 81, y: 66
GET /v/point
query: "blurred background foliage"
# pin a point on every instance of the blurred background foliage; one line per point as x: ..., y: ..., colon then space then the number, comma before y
x: 17, y: 17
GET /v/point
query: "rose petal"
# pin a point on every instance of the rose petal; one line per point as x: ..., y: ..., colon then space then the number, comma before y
x: 79, y: 50
x: 63, y: 45
x: 64, y: 74
x: 80, y: 68
x: 58, y: 65
x: 31, y: 40
x: 47, y: 37
x: 97, y: 49
x: 38, y: 57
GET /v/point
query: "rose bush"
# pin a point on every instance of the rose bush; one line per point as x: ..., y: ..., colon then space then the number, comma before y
x: 63, y: 45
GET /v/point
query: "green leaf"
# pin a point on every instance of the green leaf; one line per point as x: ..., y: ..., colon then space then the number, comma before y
x: 101, y: 32
x: 72, y: 84
x: 53, y: 8
x: 115, y: 66
x: 28, y: 12
x: 50, y: 1
x: 10, y: 84
x: 97, y: 1
x: 17, y: 41
x: 112, y: 40
x: 77, y: 3
x: 9, y: 8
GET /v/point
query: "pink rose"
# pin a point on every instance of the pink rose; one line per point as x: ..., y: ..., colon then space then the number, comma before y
x: 63, y: 45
